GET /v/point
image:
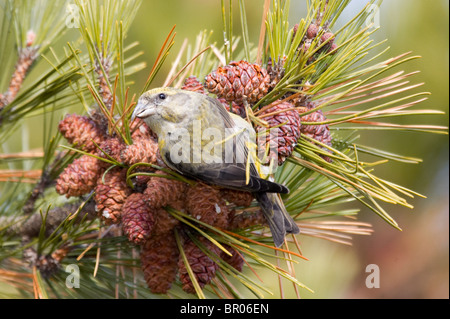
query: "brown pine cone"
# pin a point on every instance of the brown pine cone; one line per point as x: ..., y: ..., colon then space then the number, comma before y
x: 137, y: 219
x: 27, y: 57
x: 105, y: 92
x: 246, y: 220
x: 80, y: 177
x: 276, y: 70
x: 139, y: 130
x: 236, y: 261
x: 159, y: 258
x: 206, y: 204
x: 235, y: 108
x: 141, y: 151
x: 163, y: 191
x: 164, y: 221
x: 112, y: 147
x: 239, y: 198
x: 312, y: 31
x: 82, y: 131
x: 238, y: 81
x: 203, y: 267
x: 111, y: 194
x: 194, y: 85
x: 319, y: 132
x: 284, y: 132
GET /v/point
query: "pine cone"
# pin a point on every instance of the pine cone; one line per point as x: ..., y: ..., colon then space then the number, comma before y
x: 159, y: 257
x: 140, y: 130
x: 137, y: 219
x: 194, y: 85
x: 79, y: 177
x: 319, y: 132
x: 82, y: 131
x: 312, y: 31
x: 141, y: 151
x: 203, y: 267
x: 235, y: 108
x: 236, y: 261
x: 105, y: 92
x: 276, y: 70
x: 163, y: 191
x: 164, y: 221
x: 111, y: 194
x: 246, y: 220
x: 205, y: 203
x: 284, y: 132
x: 239, y: 80
x: 239, y: 198
x: 112, y: 147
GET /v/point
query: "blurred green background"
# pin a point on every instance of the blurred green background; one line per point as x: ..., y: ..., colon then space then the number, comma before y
x: 413, y: 263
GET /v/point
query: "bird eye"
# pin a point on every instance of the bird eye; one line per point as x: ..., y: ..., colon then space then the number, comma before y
x: 162, y: 96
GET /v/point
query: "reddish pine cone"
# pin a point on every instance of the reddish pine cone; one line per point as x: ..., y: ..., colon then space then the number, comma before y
x: 110, y: 195
x: 284, y: 132
x: 79, y: 177
x: 163, y: 191
x: 319, y: 132
x: 238, y: 80
x: 235, y: 108
x: 236, y: 261
x: 139, y: 130
x: 205, y: 203
x: 246, y: 220
x: 137, y: 219
x: 194, y: 85
x: 82, y: 131
x: 111, y: 148
x: 141, y: 151
x: 159, y: 257
x: 164, y: 221
x: 239, y: 198
x: 312, y: 31
x: 203, y: 267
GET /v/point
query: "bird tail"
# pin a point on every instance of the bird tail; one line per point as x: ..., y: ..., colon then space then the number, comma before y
x: 280, y: 222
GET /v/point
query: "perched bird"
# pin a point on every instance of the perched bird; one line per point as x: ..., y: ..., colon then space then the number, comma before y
x: 198, y: 138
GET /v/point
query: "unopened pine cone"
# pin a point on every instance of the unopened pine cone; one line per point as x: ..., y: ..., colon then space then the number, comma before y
x: 139, y: 129
x: 159, y: 259
x: 276, y: 70
x: 206, y: 204
x: 193, y: 84
x: 233, y: 107
x: 111, y: 148
x: 164, y: 221
x: 162, y: 191
x: 239, y: 81
x: 80, y: 177
x: 142, y: 150
x: 246, y: 220
x: 235, y: 260
x: 319, y: 132
x: 111, y: 193
x: 203, y: 267
x: 82, y: 131
x: 282, y: 134
x: 239, y: 198
x: 137, y: 219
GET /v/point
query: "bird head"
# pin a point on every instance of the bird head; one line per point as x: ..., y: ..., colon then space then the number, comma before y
x: 163, y: 105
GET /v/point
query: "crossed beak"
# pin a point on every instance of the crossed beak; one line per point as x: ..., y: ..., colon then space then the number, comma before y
x: 142, y: 111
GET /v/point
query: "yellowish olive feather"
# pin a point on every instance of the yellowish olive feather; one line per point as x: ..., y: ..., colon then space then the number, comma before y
x: 169, y: 111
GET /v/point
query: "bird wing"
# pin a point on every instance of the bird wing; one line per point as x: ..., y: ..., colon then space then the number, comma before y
x: 232, y: 174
